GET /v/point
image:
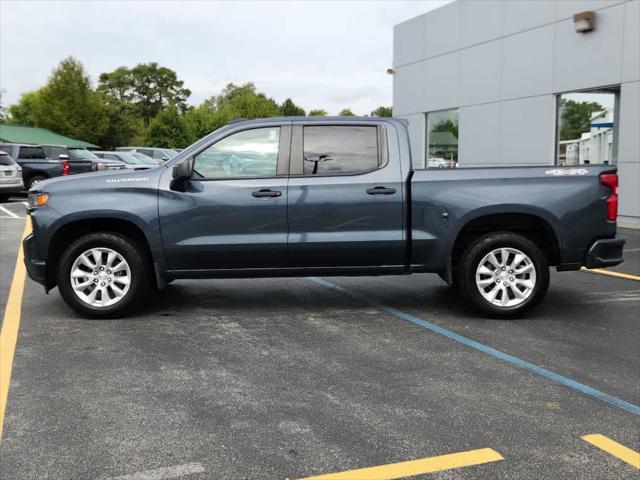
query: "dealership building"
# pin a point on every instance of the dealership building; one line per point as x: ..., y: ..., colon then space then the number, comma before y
x: 519, y: 82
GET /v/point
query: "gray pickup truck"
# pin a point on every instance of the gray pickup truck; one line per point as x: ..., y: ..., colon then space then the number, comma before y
x: 34, y: 163
x: 318, y: 196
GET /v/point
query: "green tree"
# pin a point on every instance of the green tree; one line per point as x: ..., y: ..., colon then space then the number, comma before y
x: 121, y: 128
x: 68, y: 105
x: 168, y: 129
x: 446, y: 126
x: 346, y: 112
x: 203, y: 119
x: 3, y: 112
x: 382, y: 112
x: 575, y: 118
x: 318, y: 112
x: 144, y: 90
x: 243, y: 101
x: 117, y: 89
x: 23, y: 112
x: 290, y: 109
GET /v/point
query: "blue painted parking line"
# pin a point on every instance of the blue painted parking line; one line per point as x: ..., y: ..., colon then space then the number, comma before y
x: 518, y: 362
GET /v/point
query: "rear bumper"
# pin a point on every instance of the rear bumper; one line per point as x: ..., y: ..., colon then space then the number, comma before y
x: 36, y: 269
x: 605, y: 253
x: 8, y: 188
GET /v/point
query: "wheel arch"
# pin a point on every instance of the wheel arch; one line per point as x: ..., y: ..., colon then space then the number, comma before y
x: 35, y: 173
x: 529, y: 224
x: 75, y: 229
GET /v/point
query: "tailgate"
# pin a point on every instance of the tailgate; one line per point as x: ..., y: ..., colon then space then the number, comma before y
x: 79, y: 166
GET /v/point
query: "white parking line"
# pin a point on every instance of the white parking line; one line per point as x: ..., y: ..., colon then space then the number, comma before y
x: 631, y: 250
x: 164, y: 473
x: 9, y: 212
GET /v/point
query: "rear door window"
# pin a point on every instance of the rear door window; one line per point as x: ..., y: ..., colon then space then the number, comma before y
x: 340, y: 149
x: 31, y: 153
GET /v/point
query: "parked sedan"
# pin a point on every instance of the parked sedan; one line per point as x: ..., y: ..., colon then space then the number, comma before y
x: 162, y: 154
x: 10, y: 176
x: 131, y: 162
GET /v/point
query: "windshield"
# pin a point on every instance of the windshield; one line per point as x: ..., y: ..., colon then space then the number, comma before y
x: 126, y: 157
x: 144, y: 158
x: 170, y: 153
x: 81, y: 154
x: 5, y: 159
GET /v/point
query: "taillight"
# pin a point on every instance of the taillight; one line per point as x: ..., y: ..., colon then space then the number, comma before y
x: 611, y: 180
x: 65, y: 168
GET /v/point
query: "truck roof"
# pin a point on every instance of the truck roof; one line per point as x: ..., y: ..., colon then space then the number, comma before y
x: 315, y: 119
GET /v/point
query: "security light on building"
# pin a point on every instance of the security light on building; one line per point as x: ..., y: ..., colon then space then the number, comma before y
x: 584, y: 21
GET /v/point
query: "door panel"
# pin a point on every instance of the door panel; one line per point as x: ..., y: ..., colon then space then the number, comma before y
x: 220, y: 224
x: 230, y: 222
x: 344, y: 220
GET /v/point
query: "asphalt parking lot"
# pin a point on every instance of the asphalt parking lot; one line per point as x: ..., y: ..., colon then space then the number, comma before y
x: 291, y: 378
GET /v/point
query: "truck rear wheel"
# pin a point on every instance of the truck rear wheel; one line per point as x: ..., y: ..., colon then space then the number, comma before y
x: 503, y: 274
x: 36, y: 179
x: 103, y: 275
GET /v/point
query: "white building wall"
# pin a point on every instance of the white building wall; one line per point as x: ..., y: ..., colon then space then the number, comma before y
x: 502, y: 63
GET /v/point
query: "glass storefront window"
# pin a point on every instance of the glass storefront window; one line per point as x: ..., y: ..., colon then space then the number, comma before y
x: 587, y: 131
x: 442, y: 140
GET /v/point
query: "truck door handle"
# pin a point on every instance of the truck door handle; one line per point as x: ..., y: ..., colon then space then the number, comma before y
x: 265, y: 192
x: 381, y: 191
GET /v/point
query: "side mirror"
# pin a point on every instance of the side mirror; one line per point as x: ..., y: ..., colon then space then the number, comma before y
x: 63, y: 156
x: 183, y: 170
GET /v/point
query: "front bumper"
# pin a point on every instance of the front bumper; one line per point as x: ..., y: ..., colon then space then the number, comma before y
x: 605, y: 253
x: 36, y: 269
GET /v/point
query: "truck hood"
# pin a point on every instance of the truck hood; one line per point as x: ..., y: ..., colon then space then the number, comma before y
x: 106, y: 180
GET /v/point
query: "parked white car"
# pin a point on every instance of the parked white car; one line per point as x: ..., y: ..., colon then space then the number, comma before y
x: 438, y: 162
x: 10, y: 176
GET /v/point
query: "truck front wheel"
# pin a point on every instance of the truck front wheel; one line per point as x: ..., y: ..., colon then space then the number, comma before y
x: 103, y: 275
x: 503, y: 274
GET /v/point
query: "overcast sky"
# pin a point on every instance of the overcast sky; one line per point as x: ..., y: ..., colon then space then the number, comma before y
x: 322, y: 54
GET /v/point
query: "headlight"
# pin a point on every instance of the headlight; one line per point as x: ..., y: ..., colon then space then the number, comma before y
x: 38, y: 199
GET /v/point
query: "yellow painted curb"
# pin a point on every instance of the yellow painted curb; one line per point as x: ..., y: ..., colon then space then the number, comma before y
x: 10, y: 326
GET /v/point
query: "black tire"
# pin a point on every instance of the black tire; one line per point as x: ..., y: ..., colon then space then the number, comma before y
x: 35, y: 179
x: 4, y: 198
x: 476, y: 252
x: 141, y: 275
